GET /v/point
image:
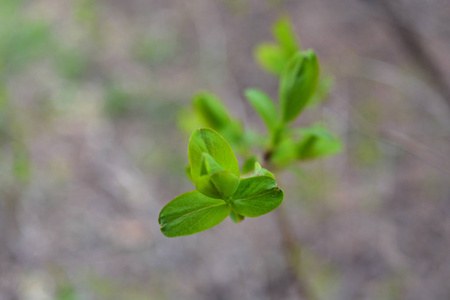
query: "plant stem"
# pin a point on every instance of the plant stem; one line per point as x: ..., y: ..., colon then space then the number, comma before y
x: 292, y: 251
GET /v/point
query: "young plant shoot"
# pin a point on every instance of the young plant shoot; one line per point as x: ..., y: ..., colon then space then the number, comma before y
x: 221, y: 189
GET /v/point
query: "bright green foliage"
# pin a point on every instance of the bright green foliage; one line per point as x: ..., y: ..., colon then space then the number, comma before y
x: 188, y: 120
x: 221, y: 190
x: 257, y: 196
x: 209, y: 165
x: 265, y: 107
x: 260, y: 171
x: 208, y: 141
x: 284, y: 154
x: 317, y: 142
x: 249, y: 165
x: 285, y: 36
x: 298, y: 84
x: 221, y: 185
x: 190, y: 213
x: 273, y: 57
x: 209, y: 111
x: 236, y: 218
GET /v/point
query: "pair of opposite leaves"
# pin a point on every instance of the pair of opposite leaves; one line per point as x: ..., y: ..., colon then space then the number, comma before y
x: 220, y: 192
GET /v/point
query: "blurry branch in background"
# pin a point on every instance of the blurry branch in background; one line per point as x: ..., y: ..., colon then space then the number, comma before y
x: 422, y: 152
x: 416, y: 89
x: 419, y: 150
x: 413, y: 44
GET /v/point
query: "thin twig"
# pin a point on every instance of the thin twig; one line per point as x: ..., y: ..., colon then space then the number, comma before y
x: 408, y: 37
x: 292, y: 251
x: 292, y: 248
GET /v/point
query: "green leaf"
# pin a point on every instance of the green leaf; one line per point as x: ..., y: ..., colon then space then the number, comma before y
x: 208, y: 141
x: 188, y: 120
x: 257, y: 168
x: 214, y: 182
x: 298, y: 84
x: 260, y: 171
x: 274, y: 57
x: 190, y: 213
x: 253, y: 139
x: 211, y: 110
x: 209, y: 165
x: 285, y: 35
x: 271, y: 58
x: 187, y: 172
x: 221, y: 185
x: 236, y: 218
x: 233, y: 132
x: 285, y: 152
x: 256, y: 196
x: 249, y: 165
x: 317, y: 142
x: 264, y: 106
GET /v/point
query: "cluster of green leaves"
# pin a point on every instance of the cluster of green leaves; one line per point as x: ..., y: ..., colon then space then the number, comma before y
x: 220, y: 191
x: 209, y: 111
x: 213, y: 166
x: 300, y: 87
x: 274, y: 56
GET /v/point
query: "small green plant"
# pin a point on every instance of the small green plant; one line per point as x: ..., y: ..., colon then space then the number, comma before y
x: 220, y: 192
x: 221, y: 188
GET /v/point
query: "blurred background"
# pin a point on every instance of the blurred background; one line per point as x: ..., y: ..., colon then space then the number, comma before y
x: 90, y: 93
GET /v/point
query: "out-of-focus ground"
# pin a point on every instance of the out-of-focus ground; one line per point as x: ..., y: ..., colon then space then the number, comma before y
x: 90, y: 151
